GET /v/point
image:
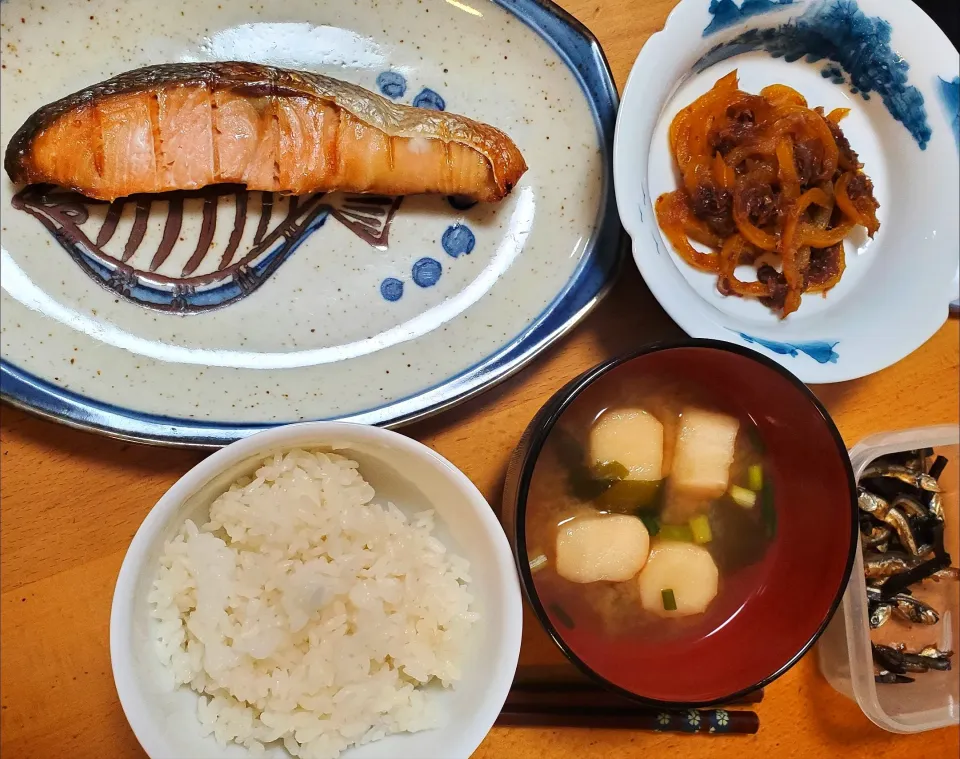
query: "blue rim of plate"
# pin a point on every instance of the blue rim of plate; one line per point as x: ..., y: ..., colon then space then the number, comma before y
x: 581, y: 52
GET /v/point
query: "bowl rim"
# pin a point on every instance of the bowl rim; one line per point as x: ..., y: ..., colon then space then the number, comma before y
x: 508, y: 616
x: 540, y: 428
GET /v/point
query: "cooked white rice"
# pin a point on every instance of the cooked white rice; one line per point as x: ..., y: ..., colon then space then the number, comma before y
x: 306, y: 614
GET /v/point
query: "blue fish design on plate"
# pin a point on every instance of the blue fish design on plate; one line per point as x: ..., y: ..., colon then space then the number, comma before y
x: 180, y: 272
x: 821, y: 351
x: 858, y: 45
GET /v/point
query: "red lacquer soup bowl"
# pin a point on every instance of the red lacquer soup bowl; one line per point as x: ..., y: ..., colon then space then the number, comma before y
x: 766, y: 614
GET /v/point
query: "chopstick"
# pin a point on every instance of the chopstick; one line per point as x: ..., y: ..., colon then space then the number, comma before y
x: 549, y: 701
x: 576, y: 694
x: 706, y: 721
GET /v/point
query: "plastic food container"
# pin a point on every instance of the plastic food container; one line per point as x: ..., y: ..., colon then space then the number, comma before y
x: 933, y: 700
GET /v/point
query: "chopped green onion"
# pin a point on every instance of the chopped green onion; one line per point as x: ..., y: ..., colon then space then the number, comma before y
x: 651, y: 522
x: 743, y: 497
x: 700, y: 527
x: 538, y: 563
x: 755, y: 477
x: 678, y: 532
x: 669, y: 600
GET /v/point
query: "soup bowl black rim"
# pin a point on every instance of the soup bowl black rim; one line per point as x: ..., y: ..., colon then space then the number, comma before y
x: 529, y: 452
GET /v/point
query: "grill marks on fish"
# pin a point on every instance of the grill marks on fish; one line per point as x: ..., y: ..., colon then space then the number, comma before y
x: 187, y: 126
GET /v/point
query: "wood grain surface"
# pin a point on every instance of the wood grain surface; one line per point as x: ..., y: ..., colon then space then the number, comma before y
x: 71, y: 502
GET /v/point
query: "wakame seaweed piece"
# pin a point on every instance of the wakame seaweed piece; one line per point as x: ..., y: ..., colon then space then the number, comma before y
x: 936, y: 469
x: 902, y: 582
x: 627, y: 496
x: 651, y: 521
x: 582, y: 483
x: 939, y: 549
x: 565, y: 619
x: 591, y: 483
x: 740, y: 535
x: 609, y: 470
x: 587, y: 488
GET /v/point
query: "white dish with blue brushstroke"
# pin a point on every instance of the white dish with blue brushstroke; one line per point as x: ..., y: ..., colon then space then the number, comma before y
x: 331, y: 307
x: 898, y: 73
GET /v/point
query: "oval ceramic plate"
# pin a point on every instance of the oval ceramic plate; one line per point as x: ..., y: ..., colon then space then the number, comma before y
x: 138, y: 320
x: 897, y: 72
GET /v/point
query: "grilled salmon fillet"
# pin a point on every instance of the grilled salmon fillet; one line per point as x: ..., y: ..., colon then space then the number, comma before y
x: 183, y: 126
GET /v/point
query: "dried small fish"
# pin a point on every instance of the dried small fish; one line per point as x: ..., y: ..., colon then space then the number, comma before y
x: 900, y: 662
x: 888, y: 659
x: 879, y: 614
x: 875, y: 536
x: 887, y: 678
x: 895, y: 515
x: 885, y: 565
x: 912, y: 477
x: 935, y: 506
x: 939, y: 663
x: 871, y: 503
x: 912, y: 610
x: 910, y: 505
x: 932, y: 652
x: 896, y: 519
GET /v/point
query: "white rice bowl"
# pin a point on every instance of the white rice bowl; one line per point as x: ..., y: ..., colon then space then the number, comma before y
x: 305, y: 613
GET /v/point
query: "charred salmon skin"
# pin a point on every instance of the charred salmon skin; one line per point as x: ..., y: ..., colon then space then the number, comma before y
x: 183, y: 126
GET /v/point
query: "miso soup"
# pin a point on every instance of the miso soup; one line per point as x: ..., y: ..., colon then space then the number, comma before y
x: 650, y: 512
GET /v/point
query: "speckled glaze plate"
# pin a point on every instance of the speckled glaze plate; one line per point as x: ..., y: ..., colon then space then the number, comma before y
x: 898, y: 74
x: 138, y: 320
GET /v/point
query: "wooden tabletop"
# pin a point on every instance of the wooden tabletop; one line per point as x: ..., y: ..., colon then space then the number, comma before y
x: 72, y: 501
